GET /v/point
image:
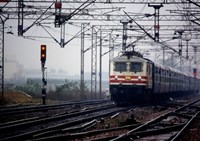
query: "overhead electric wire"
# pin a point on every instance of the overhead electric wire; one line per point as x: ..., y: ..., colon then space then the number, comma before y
x: 161, y: 43
x: 76, y: 11
x: 76, y: 35
x: 51, y: 35
x: 193, y: 3
x: 24, y: 30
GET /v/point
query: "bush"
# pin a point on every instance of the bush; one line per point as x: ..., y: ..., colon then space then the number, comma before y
x: 70, y: 90
x: 32, y: 88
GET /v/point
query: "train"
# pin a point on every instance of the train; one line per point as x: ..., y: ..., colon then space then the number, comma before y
x: 134, y: 80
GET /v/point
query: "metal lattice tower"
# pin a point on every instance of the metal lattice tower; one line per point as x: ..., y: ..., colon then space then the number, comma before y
x: 111, y: 48
x: 2, y: 22
x: 100, y: 65
x: 82, y: 61
x: 94, y: 64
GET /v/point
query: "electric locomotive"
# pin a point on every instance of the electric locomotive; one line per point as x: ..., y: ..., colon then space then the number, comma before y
x: 134, y: 80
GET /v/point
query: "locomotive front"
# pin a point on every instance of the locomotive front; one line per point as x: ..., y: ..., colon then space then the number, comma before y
x: 130, y: 78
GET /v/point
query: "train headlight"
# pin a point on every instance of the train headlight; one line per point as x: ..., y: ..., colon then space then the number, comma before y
x: 128, y: 78
x: 139, y: 77
x: 116, y: 77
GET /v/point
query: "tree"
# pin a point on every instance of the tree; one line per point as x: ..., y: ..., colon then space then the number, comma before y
x: 32, y: 88
x: 70, y: 90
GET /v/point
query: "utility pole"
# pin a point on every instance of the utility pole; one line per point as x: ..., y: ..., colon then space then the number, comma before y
x: 82, y: 61
x: 156, y: 20
x: 187, y: 38
x: 124, y: 36
x: 190, y: 65
x: 2, y: 24
x: 163, y: 55
x: 82, y: 92
x: 100, y: 65
x: 94, y: 63
x: 180, y: 46
x: 195, y: 66
x: 172, y: 63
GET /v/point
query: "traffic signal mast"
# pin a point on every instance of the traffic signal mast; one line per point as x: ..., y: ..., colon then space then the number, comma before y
x: 44, y: 82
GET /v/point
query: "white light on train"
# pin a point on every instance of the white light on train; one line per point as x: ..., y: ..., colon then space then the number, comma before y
x: 116, y: 77
x: 139, y: 77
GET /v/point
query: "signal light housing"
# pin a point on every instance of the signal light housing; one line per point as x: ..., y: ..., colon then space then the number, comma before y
x: 43, y: 53
x: 195, y: 72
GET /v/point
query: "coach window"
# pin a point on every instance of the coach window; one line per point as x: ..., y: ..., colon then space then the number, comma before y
x: 120, y: 66
x: 136, y: 67
x: 155, y: 70
x: 150, y: 70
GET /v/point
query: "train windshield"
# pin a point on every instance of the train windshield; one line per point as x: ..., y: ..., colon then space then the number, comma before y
x: 135, y: 67
x: 120, y: 66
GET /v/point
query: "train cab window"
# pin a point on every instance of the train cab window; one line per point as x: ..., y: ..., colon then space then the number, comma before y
x: 150, y: 70
x: 120, y: 66
x: 135, y: 67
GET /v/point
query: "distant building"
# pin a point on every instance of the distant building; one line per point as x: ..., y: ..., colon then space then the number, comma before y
x: 13, y: 71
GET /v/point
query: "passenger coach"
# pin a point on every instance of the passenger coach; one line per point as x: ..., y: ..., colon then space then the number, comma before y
x: 134, y: 79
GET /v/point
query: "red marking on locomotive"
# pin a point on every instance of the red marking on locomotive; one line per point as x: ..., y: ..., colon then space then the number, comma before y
x: 124, y: 76
x: 129, y: 81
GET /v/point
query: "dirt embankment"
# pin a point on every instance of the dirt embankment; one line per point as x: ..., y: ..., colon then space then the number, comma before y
x: 19, y: 97
x: 16, y: 97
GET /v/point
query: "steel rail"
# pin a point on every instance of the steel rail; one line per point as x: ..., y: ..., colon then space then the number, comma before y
x: 145, y: 125
x: 56, y: 128
x: 22, y: 110
x: 81, y: 134
x: 26, y: 123
x: 183, y: 130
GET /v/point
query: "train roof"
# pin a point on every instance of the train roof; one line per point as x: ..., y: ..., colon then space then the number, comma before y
x: 168, y: 68
x: 132, y: 58
x: 173, y: 70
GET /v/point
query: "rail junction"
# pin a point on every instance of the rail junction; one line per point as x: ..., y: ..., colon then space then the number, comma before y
x: 103, y: 120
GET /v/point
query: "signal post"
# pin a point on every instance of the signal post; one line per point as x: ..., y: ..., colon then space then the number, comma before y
x: 44, y: 81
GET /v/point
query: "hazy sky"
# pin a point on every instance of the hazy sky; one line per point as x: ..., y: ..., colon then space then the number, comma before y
x: 27, y: 52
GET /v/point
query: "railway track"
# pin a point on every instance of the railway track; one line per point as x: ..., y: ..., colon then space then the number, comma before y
x: 35, y: 112
x: 99, y: 123
x: 28, y: 129
x: 38, y: 120
x: 38, y: 108
x: 169, y: 126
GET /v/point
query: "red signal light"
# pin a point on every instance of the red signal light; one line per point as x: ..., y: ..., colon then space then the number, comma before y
x: 195, y: 72
x: 43, y: 53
